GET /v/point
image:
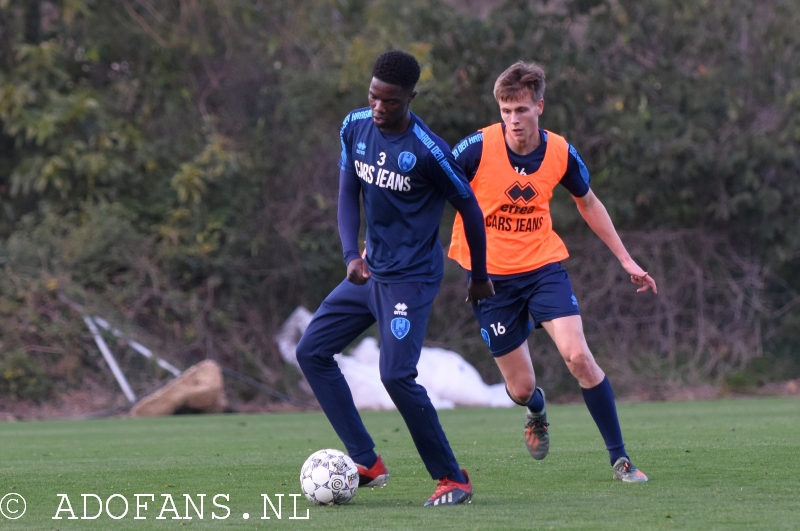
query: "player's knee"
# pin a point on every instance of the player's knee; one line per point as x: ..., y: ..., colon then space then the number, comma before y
x: 304, y: 353
x: 521, y: 392
x: 391, y: 382
x: 396, y: 384
x: 578, y: 359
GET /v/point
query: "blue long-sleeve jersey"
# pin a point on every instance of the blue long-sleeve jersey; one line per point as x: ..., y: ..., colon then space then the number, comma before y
x: 404, y: 180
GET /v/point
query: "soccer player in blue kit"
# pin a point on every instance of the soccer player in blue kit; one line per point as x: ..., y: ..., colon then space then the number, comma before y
x: 404, y: 173
x: 513, y: 167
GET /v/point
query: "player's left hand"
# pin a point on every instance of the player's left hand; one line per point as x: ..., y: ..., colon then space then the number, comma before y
x: 358, y: 271
x: 640, y: 277
x: 477, y: 291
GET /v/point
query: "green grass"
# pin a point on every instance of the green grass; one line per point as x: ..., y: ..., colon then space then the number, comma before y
x: 732, y: 464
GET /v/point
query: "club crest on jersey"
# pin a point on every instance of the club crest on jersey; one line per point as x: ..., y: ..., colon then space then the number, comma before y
x: 518, y: 192
x: 406, y: 161
x: 400, y: 327
x: 485, y: 336
x: 360, y: 148
x: 400, y: 309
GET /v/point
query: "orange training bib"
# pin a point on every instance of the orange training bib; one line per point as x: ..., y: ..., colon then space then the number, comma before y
x: 516, y: 208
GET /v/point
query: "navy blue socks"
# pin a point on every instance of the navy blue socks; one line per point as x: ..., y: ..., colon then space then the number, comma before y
x: 600, y: 402
x: 536, y: 403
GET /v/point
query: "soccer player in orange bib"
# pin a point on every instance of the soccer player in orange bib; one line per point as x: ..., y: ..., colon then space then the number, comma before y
x: 513, y: 168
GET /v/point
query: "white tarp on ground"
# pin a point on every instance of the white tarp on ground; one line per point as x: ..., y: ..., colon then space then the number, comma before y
x: 448, y: 378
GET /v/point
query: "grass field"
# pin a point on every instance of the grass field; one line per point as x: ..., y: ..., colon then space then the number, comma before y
x: 732, y: 464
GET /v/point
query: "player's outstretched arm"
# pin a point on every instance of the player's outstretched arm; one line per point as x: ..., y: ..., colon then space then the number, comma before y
x: 596, y: 216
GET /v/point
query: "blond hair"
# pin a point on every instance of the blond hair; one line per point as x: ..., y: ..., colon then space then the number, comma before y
x: 519, y: 79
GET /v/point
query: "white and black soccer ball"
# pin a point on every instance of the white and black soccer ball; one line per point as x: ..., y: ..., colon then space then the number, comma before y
x: 329, y: 477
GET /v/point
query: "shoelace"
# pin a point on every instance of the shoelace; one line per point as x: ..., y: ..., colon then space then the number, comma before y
x: 627, y: 467
x: 537, y: 424
x: 443, y: 486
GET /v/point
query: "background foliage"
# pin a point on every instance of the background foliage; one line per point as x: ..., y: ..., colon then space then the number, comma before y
x: 171, y: 166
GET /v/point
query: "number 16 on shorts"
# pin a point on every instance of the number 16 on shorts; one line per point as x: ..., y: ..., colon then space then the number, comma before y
x: 498, y: 329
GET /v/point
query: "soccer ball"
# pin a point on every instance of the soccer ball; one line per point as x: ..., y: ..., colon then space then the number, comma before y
x: 329, y: 477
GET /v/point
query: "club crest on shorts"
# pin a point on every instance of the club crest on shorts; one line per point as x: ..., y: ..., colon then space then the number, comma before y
x: 406, y: 161
x: 400, y: 327
x: 485, y: 336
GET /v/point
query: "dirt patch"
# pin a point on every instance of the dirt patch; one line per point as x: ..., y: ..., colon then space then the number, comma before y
x: 96, y: 402
x: 92, y: 401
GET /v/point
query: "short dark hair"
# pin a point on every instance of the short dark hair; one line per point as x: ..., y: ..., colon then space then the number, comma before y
x: 397, y: 68
x: 519, y: 79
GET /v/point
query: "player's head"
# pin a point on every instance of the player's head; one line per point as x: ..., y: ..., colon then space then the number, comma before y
x: 519, y: 92
x: 520, y: 79
x: 394, y: 76
x: 397, y: 68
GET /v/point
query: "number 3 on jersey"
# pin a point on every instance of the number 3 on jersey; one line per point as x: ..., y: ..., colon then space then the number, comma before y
x: 498, y: 330
x: 382, y: 158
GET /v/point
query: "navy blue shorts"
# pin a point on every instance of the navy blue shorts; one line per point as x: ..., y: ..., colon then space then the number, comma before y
x: 544, y: 294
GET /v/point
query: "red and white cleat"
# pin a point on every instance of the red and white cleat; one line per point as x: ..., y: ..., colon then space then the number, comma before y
x: 377, y: 476
x: 449, y: 492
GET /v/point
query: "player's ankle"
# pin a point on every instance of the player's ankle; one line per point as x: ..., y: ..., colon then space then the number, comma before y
x: 458, y: 478
x: 365, y: 459
x: 536, y: 402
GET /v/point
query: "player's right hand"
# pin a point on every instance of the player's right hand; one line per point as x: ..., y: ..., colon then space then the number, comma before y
x: 477, y: 291
x: 358, y: 271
